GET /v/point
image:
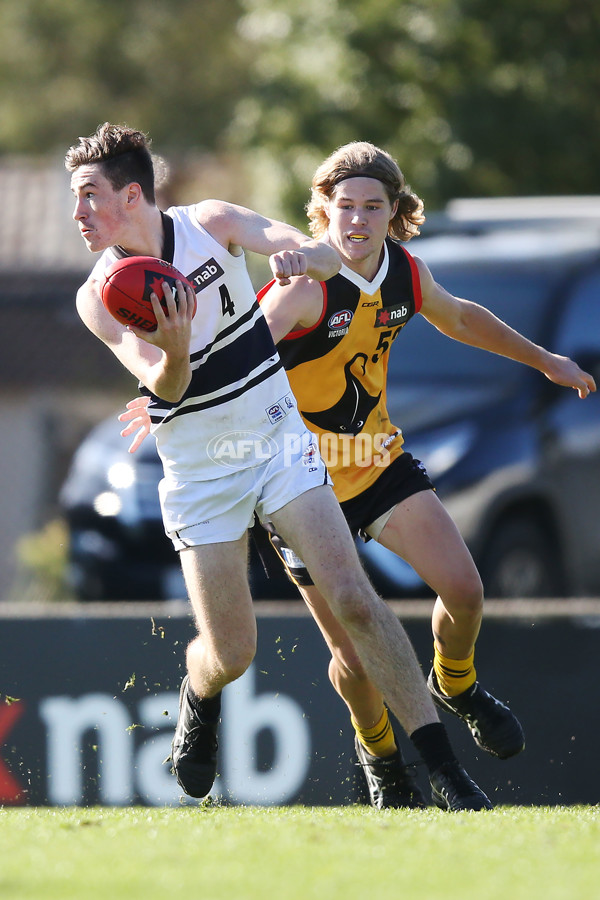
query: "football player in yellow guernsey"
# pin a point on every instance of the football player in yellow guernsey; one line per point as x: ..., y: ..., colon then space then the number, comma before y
x: 334, y: 339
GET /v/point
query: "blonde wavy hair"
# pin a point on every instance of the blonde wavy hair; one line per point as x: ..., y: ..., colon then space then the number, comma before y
x: 356, y: 159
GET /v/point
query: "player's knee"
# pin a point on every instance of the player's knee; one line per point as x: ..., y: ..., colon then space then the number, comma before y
x: 464, y: 596
x: 472, y: 592
x: 347, y: 670
x: 232, y: 661
x: 353, y: 606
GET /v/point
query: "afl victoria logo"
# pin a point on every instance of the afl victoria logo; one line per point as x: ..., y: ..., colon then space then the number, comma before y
x: 240, y: 449
x: 340, y: 319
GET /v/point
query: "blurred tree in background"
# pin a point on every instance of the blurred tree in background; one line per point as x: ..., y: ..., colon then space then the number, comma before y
x: 472, y: 97
x: 328, y: 73
x: 173, y: 68
x: 526, y: 106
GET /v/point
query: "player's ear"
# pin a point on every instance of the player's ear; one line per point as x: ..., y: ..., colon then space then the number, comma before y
x: 134, y: 193
x: 394, y: 209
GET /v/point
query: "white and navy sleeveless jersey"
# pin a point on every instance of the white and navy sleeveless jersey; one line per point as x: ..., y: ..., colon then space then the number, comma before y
x: 238, y: 410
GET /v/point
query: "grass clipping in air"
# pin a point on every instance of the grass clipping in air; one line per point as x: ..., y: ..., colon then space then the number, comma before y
x: 299, y: 853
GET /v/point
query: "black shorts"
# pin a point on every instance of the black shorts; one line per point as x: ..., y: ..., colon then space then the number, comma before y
x: 404, y: 477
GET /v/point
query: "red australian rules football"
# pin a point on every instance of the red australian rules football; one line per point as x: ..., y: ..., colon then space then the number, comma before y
x: 128, y: 284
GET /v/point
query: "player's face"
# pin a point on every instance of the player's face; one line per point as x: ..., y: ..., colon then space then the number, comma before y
x: 359, y: 214
x: 99, y: 209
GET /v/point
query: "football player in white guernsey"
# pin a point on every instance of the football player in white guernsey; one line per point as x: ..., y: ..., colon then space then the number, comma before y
x: 212, y: 378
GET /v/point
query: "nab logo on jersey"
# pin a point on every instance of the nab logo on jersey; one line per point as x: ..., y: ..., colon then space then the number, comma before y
x: 340, y: 319
x: 206, y: 274
x: 392, y: 315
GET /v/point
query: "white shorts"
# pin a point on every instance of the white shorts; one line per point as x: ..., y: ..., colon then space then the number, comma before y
x: 222, y: 509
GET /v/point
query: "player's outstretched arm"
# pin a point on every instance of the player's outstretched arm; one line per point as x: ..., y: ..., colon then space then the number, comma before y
x: 291, y: 253
x: 476, y: 326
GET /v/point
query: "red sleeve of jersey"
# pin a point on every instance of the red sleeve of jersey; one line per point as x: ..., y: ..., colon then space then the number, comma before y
x: 416, y: 281
x: 301, y: 331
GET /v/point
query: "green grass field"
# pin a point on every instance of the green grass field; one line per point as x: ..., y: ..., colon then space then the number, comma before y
x: 299, y: 853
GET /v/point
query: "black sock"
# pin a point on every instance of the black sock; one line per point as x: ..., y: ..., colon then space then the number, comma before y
x: 433, y: 745
x: 208, y: 708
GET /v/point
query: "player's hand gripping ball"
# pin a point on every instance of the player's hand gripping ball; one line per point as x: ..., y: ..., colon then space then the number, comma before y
x: 128, y: 284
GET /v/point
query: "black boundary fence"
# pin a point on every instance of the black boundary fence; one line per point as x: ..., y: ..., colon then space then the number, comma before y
x: 88, y: 703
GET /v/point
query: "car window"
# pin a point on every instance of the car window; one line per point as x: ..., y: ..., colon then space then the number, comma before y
x: 579, y: 329
x: 520, y: 295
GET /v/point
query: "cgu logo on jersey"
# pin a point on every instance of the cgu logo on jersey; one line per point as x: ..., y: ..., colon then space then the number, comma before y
x: 339, y: 323
x: 206, y: 274
x: 392, y: 315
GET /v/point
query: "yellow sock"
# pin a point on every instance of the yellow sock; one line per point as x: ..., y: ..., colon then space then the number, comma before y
x: 454, y: 676
x: 380, y: 740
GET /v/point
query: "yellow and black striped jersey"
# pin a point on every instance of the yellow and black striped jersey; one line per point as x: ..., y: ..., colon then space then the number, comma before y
x: 338, y: 367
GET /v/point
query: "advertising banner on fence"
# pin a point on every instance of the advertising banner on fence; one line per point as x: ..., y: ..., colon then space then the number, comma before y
x: 88, y: 705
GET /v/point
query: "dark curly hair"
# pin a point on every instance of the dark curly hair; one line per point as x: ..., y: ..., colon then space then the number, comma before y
x: 123, y: 153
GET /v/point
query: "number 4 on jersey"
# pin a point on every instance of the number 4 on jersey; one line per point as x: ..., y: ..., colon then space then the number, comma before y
x: 227, y: 305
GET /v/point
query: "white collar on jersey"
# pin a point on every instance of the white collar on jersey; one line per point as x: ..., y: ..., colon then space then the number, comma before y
x: 368, y: 287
